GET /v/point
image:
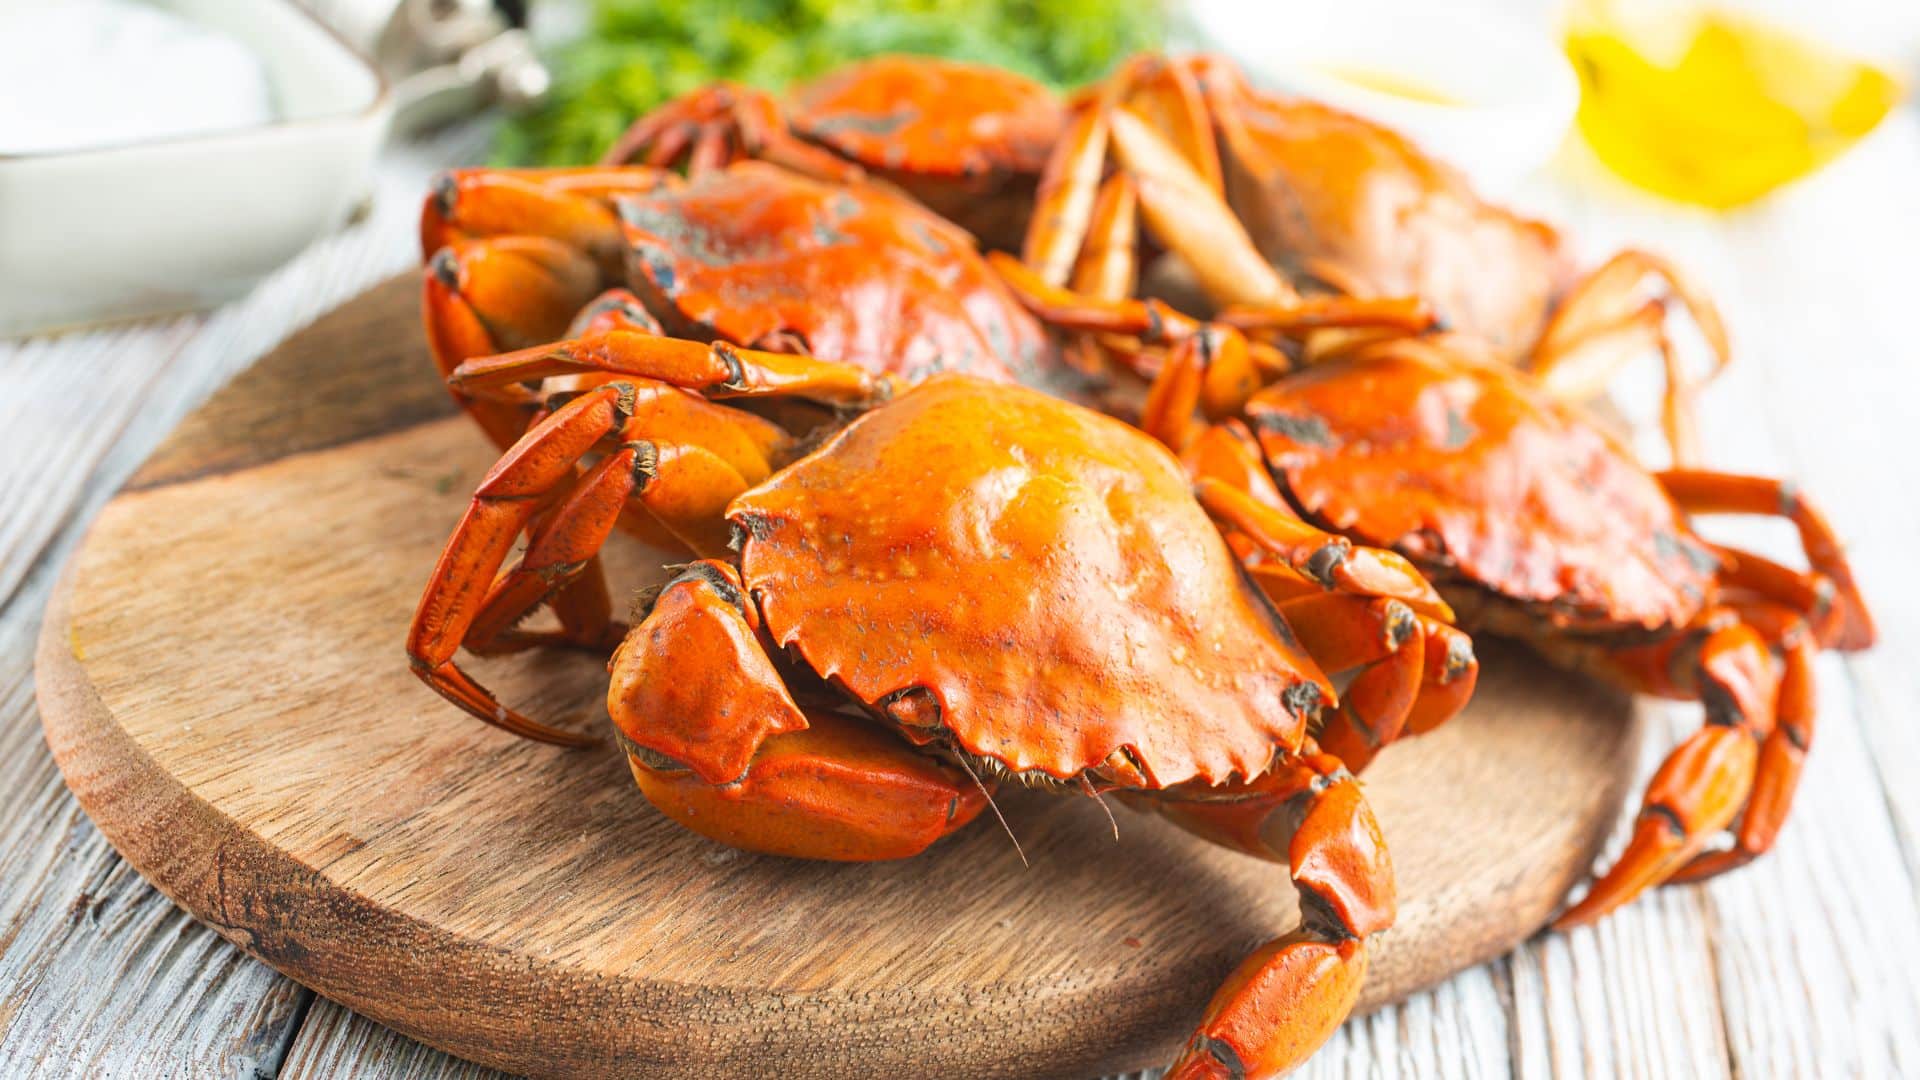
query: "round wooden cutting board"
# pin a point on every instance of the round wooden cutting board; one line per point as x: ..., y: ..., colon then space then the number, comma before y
x: 223, y: 684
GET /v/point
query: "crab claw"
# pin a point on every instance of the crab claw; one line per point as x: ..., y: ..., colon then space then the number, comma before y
x: 1285, y: 999
x: 709, y: 715
x: 1314, y: 982
x: 716, y: 741
x: 837, y: 789
x: 480, y: 297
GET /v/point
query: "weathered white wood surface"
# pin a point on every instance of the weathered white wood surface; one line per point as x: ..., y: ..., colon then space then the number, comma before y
x: 1806, y: 963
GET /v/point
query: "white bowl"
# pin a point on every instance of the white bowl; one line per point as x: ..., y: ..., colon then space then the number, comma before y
x: 181, y: 223
x: 1511, y: 93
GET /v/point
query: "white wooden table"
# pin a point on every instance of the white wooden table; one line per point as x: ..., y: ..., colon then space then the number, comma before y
x: 1807, y: 962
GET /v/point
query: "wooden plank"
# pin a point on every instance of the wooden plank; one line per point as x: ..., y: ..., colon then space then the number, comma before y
x: 1633, y: 995
x: 1817, y: 945
x: 372, y: 378
x: 335, y: 1042
x: 1841, y: 364
x: 1455, y: 1030
x: 61, y: 401
x: 100, y: 975
x: 1811, y: 951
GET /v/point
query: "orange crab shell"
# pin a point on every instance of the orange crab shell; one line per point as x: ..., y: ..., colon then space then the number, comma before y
x: 931, y: 117
x: 968, y: 140
x: 1483, y: 480
x: 764, y: 257
x: 1033, y: 580
x: 1332, y: 197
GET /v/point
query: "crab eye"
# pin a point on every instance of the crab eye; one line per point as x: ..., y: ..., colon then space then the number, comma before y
x: 914, y: 707
x: 1303, y: 699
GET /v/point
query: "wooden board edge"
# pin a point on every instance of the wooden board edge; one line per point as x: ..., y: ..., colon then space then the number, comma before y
x: 275, y: 407
x: 1552, y: 896
x: 137, y: 808
x: 143, y: 813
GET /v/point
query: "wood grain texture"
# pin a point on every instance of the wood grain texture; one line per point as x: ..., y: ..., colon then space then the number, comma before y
x: 341, y: 389
x: 335, y: 1042
x: 224, y: 690
x: 68, y: 903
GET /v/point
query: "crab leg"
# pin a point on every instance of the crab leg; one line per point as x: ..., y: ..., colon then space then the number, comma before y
x: 1166, y: 94
x: 1152, y: 322
x: 1108, y: 262
x: 1447, y: 679
x: 1107, y: 265
x: 1414, y: 679
x: 615, y: 309
x: 684, y: 485
x: 1165, y: 98
x: 1605, y: 321
x: 1703, y: 784
x: 659, y: 137
x: 1228, y: 454
x: 539, y: 469
x: 717, y: 370
x: 720, y: 124
x: 551, y: 568
x: 1213, y: 372
x: 582, y: 604
x: 1387, y: 642
x: 1156, y: 117
x: 1286, y: 998
x: 1782, y: 753
x: 1064, y: 201
x: 1191, y: 219
x: 716, y: 741
x: 1700, y: 492
x: 1396, y: 315
x: 1068, y: 309
x: 1327, y: 559
x: 1155, y: 322
x: 1177, y: 176
x: 1416, y: 671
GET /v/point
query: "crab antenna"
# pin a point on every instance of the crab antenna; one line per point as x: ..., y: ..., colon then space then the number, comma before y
x: 1008, y: 829
x: 1095, y: 796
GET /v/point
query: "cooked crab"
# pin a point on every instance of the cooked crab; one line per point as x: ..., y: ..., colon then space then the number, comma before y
x: 1264, y: 195
x: 1538, y: 525
x: 970, y: 583
x: 1535, y: 523
x: 966, y: 140
x: 751, y: 253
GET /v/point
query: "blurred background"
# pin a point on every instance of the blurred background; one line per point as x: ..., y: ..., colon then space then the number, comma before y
x: 251, y: 130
